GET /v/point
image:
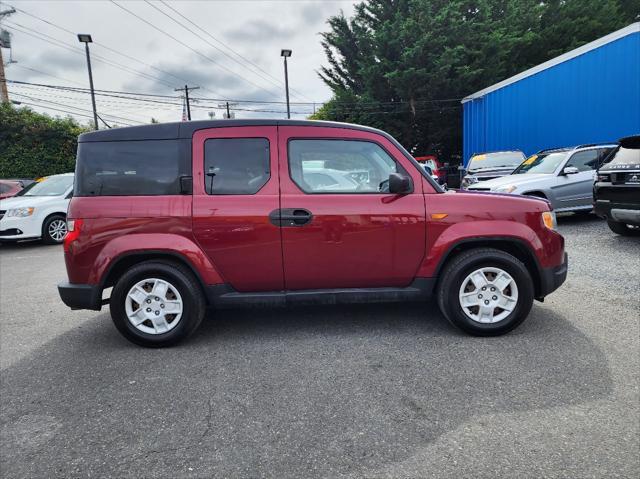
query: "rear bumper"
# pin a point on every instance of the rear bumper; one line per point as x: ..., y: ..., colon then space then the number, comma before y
x: 552, y: 278
x: 622, y: 212
x: 81, y: 296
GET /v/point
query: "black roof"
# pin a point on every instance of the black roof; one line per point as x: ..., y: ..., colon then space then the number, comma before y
x: 186, y: 129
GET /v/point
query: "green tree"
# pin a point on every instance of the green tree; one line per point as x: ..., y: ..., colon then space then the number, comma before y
x: 33, y: 145
x: 404, y: 65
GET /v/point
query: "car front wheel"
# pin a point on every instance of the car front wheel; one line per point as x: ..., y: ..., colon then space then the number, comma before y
x: 486, y: 292
x: 157, y: 303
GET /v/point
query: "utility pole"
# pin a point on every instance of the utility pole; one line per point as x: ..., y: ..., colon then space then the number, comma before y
x: 228, y: 106
x: 4, y: 93
x: 186, y: 97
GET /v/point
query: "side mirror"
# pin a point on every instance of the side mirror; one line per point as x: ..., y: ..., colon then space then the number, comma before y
x: 399, y: 184
x: 570, y: 170
x: 428, y: 170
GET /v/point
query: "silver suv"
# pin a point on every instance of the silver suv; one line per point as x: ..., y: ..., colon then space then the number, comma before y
x: 564, y: 176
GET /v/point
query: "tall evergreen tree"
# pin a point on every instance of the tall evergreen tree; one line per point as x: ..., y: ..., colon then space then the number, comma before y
x: 403, y: 65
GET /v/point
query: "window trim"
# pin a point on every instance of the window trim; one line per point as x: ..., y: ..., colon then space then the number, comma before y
x: 363, y: 140
x: 183, y: 160
x: 577, y: 153
x: 204, y: 159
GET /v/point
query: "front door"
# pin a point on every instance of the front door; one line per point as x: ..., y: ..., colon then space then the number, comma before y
x: 576, y: 190
x: 235, y: 187
x: 339, y: 228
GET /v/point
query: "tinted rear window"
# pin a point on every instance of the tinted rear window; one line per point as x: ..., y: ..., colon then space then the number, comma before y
x: 130, y: 168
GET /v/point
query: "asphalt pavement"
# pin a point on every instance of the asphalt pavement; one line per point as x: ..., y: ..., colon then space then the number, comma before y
x: 387, y: 391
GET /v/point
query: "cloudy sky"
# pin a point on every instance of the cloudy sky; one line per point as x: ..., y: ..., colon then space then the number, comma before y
x: 234, y: 56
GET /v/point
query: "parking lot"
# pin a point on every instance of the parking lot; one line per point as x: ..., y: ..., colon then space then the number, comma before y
x: 358, y: 391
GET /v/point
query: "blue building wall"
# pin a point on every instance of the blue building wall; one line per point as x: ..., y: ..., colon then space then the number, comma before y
x: 592, y: 98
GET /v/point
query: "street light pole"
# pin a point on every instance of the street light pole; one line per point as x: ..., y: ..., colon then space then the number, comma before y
x: 86, y: 39
x: 286, y: 54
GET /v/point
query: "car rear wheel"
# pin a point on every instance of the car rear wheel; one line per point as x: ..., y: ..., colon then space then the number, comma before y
x: 623, y: 229
x: 54, y: 229
x: 157, y: 303
x: 485, y: 292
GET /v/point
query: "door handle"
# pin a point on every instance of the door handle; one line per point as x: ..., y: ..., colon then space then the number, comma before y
x: 290, y: 217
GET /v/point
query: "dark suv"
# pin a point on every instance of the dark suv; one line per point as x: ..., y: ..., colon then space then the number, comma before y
x: 177, y: 217
x: 616, y: 191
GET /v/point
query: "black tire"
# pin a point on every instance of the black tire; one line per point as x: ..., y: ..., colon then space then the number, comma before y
x: 46, y: 233
x: 464, y: 264
x: 182, y: 279
x: 622, y: 228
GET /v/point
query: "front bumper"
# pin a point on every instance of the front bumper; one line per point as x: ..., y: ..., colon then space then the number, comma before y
x: 552, y: 278
x: 18, y: 228
x: 81, y: 296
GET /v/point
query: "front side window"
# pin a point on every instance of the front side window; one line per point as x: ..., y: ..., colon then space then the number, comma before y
x: 129, y: 168
x: 236, y: 166
x: 52, y: 186
x: 584, y: 160
x: 340, y: 166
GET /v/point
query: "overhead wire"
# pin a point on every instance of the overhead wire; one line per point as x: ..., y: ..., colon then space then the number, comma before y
x: 257, y: 67
x: 202, y: 55
x: 101, y: 45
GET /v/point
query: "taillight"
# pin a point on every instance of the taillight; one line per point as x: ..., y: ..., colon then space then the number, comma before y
x: 73, y: 232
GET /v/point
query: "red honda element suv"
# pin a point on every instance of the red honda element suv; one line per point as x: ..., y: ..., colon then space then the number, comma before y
x: 177, y: 217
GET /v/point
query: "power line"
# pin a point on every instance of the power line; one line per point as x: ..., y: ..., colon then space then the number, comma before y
x: 279, y: 82
x: 20, y: 65
x: 59, y: 43
x: 275, y: 82
x: 165, y: 100
x: 101, y: 45
x: 189, y: 47
x: 76, y: 108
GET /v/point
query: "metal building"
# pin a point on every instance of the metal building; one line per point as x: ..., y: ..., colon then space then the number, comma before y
x: 588, y: 95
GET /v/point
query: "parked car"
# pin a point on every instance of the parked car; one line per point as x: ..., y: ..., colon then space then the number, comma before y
x: 616, y: 191
x: 438, y: 171
x: 38, y: 213
x: 180, y: 216
x: 562, y: 176
x: 9, y: 188
x: 490, y: 165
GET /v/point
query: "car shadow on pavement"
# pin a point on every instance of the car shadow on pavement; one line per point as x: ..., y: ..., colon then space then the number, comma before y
x: 304, y: 392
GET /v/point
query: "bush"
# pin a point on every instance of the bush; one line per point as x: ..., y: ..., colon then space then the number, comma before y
x: 34, y: 145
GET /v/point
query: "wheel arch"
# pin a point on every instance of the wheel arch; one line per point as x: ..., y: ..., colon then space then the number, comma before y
x: 125, y: 261
x: 514, y: 246
x: 536, y: 193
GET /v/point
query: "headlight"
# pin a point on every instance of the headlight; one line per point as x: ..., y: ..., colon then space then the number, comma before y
x: 506, y: 189
x: 549, y: 219
x: 469, y: 180
x: 20, y: 212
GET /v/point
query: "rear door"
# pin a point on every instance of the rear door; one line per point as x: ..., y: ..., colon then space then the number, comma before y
x: 576, y: 190
x: 235, y: 187
x: 349, y: 234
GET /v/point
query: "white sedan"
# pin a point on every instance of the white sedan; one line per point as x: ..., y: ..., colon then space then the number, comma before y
x: 40, y: 212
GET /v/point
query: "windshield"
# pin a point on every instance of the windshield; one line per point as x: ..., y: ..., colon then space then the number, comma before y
x: 52, y: 186
x: 544, y: 163
x: 496, y: 160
